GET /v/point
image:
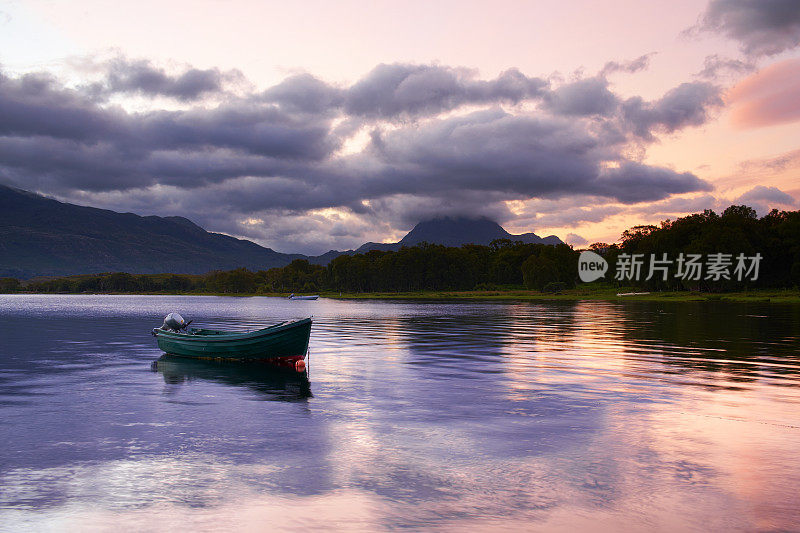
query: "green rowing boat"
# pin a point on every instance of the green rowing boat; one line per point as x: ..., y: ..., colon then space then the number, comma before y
x: 284, y: 342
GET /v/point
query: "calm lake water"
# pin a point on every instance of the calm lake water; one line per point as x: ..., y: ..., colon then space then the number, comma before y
x: 413, y: 415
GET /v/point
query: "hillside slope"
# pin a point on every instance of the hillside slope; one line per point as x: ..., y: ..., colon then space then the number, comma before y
x: 41, y: 236
x: 44, y: 237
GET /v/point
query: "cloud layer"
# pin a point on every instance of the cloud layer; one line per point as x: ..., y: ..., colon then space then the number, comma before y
x: 768, y: 97
x: 142, y: 77
x: 405, y: 140
x: 762, y: 27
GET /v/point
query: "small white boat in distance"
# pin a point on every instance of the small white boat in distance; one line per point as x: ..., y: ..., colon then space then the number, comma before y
x: 293, y: 297
x: 631, y: 293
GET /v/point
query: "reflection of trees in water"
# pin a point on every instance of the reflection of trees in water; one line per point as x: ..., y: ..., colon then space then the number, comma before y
x: 487, y: 334
x: 272, y: 382
x: 553, y: 323
x: 743, y: 340
x: 465, y: 373
x: 720, y: 337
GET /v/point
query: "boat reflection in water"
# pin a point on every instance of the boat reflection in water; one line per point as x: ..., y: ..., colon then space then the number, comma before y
x: 271, y: 381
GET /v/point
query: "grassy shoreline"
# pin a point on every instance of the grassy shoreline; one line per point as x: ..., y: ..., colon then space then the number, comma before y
x: 760, y: 296
x: 590, y: 292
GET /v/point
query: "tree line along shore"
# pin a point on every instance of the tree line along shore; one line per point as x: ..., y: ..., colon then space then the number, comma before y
x: 504, y: 268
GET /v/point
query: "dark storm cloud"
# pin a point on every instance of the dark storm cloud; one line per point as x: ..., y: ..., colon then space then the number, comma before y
x: 689, y: 104
x: 60, y: 166
x: 582, y: 98
x: 634, y: 182
x: 519, y: 156
x: 36, y: 104
x: 400, y: 90
x: 244, y: 126
x: 762, y: 27
x: 55, y: 136
x: 304, y: 92
x: 142, y: 77
x: 487, y: 150
x: 403, y: 91
x: 463, y: 164
x: 277, y: 152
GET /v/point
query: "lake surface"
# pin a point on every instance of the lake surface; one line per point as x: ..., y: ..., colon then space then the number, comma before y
x: 413, y: 415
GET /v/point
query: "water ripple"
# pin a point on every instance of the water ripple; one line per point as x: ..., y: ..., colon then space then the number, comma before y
x: 412, y: 414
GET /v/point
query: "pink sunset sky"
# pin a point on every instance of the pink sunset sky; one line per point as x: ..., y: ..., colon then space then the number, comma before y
x: 311, y: 126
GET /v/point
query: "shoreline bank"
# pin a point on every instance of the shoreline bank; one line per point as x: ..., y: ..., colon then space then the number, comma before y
x: 577, y: 294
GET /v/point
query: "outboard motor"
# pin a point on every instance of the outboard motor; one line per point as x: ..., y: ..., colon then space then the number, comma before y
x: 174, y: 322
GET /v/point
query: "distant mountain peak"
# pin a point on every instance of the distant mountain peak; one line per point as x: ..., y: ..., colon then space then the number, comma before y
x: 454, y: 231
x: 460, y: 230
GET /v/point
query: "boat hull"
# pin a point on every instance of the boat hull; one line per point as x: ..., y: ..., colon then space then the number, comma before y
x: 287, y: 342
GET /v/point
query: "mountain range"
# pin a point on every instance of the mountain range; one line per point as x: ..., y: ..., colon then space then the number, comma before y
x: 40, y: 236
